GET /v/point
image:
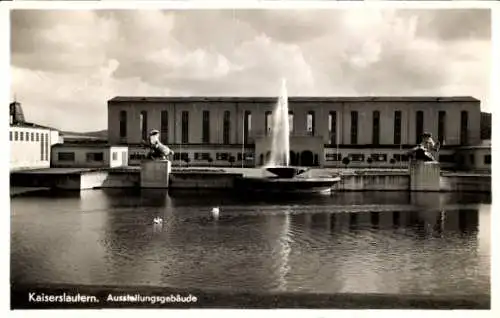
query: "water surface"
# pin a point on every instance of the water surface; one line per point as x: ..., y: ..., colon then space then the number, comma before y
x: 395, y: 243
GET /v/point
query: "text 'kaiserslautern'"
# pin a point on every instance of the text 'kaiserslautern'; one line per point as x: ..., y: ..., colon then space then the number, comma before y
x: 135, y: 298
x: 61, y: 298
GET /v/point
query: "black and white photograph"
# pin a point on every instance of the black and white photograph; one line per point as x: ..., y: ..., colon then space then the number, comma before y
x: 250, y: 158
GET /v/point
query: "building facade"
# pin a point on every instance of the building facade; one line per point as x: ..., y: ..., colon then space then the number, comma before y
x: 30, y: 144
x: 88, y: 155
x: 224, y: 131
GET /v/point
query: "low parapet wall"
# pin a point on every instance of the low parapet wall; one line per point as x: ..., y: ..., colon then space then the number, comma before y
x: 203, y: 180
x: 191, y: 179
x: 465, y: 183
x: 374, y: 182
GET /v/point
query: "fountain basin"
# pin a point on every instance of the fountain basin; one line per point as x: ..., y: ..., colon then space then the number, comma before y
x: 275, y: 185
x: 286, y: 172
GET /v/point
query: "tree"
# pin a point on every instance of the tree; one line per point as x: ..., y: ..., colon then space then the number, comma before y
x: 392, y: 161
x: 231, y: 160
x: 346, y: 161
x: 187, y: 160
x: 369, y: 161
x: 210, y: 160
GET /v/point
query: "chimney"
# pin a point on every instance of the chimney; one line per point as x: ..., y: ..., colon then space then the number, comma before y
x: 16, y: 113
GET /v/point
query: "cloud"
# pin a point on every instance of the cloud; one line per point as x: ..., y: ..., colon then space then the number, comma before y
x: 67, y: 64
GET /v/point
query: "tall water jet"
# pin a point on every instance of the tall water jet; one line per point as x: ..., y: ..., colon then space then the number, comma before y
x: 280, y: 131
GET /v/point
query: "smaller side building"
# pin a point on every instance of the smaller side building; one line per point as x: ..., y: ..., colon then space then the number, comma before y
x: 89, y: 155
x: 475, y: 158
x: 30, y: 144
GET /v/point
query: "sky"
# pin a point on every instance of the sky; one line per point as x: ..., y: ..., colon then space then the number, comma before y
x: 66, y: 65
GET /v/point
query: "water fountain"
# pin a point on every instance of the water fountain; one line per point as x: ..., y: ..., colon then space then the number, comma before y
x: 279, y: 163
x: 286, y: 178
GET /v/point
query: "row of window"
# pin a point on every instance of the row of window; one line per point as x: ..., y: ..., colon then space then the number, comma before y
x: 399, y: 157
x: 33, y: 137
x: 164, y: 126
x: 25, y: 136
x: 419, y: 127
x: 205, y: 156
x: 310, y: 126
x: 90, y: 157
x: 199, y: 156
x: 361, y: 157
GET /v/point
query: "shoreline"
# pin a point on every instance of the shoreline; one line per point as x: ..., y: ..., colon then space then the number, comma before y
x: 237, y: 299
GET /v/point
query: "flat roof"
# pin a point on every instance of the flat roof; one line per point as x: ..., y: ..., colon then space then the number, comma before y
x: 31, y: 125
x: 87, y: 144
x: 234, y: 99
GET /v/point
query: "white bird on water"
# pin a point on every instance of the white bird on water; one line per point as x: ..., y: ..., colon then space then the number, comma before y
x: 215, y: 212
x: 157, y: 220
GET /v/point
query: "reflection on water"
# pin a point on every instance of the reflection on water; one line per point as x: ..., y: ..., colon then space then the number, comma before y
x: 348, y: 242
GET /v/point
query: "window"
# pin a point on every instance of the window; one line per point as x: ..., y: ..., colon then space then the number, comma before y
x: 247, y: 125
x: 245, y: 156
x: 310, y: 123
x: 164, y: 127
x: 354, y: 127
x: 441, y: 126
x: 137, y: 156
x: 379, y: 157
x: 185, y: 127
x: 290, y: 121
x: 357, y: 157
x: 268, y: 123
x: 333, y: 157
x: 226, y: 129
x: 65, y: 156
x: 201, y: 156
x: 16, y: 136
x: 399, y: 157
x: 115, y: 156
x: 464, y: 118
x: 181, y: 156
x: 32, y: 137
x: 376, y: 128
x: 144, y: 125
x: 95, y: 156
x: 446, y: 158
x: 42, y: 148
x: 123, y: 124
x: 205, y: 127
x: 37, y: 136
x: 487, y: 159
x: 27, y: 136
x: 46, y: 148
x: 332, y: 127
x: 471, y: 159
x: 222, y: 156
x: 397, y: 127
x: 10, y: 135
x: 419, y: 126
x: 21, y: 135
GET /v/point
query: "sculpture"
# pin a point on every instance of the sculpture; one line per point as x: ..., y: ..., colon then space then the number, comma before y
x: 158, y: 151
x: 424, y: 151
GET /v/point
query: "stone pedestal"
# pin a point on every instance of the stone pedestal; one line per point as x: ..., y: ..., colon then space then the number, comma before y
x: 155, y: 174
x: 425, y: 176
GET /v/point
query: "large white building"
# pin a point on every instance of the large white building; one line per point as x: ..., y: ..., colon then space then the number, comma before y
x: 370, y: 131
x: 30, y: 144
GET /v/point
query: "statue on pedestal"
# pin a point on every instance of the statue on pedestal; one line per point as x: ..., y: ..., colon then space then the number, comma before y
x: 158, y: 151
x: 427, y: 149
